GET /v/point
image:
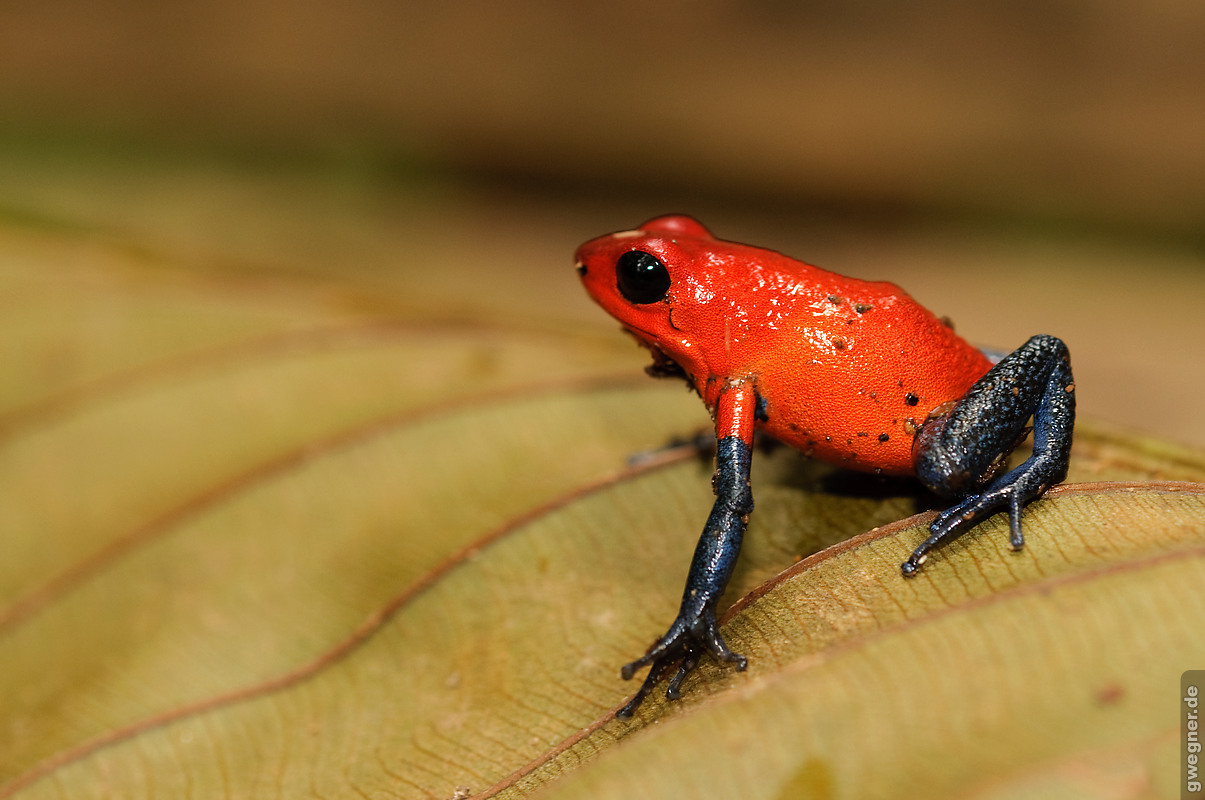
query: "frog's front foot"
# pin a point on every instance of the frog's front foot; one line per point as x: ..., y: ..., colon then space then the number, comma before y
x: 683, y: 644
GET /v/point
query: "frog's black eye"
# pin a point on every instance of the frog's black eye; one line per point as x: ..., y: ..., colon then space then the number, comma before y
x: 641, y: 277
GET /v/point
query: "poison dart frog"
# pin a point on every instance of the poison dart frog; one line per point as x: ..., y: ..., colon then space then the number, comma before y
x: 852, y: 372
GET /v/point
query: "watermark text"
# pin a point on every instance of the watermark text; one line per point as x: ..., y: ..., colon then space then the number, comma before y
x: 1190, y: 732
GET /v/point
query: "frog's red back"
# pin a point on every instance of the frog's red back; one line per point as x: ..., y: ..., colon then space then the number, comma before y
x: 848, y: 369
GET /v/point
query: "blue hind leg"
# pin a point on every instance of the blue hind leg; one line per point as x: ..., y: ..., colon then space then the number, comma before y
x: 958, y: 453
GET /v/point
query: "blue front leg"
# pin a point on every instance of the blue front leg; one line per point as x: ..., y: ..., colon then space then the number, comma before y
x: 695, y: 631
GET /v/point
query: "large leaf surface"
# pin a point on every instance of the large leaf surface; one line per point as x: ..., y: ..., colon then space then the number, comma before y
x: 261, y: 541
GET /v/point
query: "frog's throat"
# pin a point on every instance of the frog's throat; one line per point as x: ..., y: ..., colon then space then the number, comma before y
x: 663, y: 366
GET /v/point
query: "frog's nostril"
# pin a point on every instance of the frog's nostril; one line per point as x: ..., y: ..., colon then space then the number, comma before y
x: 581, y: 269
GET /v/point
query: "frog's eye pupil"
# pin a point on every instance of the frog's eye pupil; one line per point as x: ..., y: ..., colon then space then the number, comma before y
x: 641, y: 277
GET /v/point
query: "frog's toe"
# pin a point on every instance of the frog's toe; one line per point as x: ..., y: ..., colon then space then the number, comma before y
x: 682, y: 646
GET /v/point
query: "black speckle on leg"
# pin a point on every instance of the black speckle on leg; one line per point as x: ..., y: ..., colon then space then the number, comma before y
x: 761, y: 409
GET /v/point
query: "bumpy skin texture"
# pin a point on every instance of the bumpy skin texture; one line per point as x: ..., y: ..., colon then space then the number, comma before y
x: 853, y: 372
x: 847, y: 369
x: 960, y: 451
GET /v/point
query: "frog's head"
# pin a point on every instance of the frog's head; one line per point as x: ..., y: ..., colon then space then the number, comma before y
x: 652, y: 279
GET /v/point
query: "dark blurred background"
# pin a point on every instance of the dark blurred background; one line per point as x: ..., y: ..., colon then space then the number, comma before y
x: 1041, y: 160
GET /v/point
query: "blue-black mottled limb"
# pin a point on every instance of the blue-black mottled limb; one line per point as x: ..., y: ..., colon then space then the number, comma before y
x: 695, y: 631
x: 960, y: 453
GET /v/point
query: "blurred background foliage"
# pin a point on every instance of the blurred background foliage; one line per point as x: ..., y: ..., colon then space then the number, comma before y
x: 1086, y: 112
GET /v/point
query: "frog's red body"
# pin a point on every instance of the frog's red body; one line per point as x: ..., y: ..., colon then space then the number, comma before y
x: 853, y: 372
x: 848, y: 370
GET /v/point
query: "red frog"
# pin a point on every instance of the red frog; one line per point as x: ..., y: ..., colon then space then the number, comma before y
x: 853, y: 372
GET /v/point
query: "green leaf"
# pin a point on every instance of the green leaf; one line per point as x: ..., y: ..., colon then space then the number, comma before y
x: 264, y: 537
x: 974, y: 682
